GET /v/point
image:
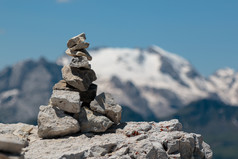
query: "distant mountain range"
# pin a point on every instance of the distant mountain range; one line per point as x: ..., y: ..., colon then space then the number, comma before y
x: 151, y: 82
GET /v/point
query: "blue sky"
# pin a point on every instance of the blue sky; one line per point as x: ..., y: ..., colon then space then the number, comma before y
x: 204, y: 32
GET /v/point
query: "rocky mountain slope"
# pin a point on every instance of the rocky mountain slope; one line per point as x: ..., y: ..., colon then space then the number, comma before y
x: 23, y: 87
x: 147, y: 140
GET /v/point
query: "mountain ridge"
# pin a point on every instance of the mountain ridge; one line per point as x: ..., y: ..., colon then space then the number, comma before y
x: 151, y: 82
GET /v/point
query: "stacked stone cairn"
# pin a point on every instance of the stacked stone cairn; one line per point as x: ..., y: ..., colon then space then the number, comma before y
x: 74, y: 106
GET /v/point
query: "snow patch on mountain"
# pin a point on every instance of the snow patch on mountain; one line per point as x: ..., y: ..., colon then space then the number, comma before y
x: 165, y: 81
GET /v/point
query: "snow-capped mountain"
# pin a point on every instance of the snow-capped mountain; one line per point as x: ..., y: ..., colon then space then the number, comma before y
x: 225, y: 82
x: 152, y: 80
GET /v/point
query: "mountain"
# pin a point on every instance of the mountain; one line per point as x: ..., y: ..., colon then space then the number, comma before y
x: 216, y: 121
x: 24, y: 87
x: 156, y: 82
x: 225, y: 81
x: 151, y: 83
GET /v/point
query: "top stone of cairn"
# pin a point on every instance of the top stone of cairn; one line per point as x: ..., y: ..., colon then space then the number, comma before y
x: 77, y: 46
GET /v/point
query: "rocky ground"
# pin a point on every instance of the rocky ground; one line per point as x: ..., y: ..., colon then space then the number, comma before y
x: 126, y: 140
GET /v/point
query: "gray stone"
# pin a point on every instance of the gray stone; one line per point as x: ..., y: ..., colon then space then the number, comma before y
x: 11, y: 143
x: 76, y: 40
x: 93, y: 122
x: 161, y: 153
x: 90, y: 94
x: 82, y: 45
x: 105, y: 104
x: 53, y: 122
x: 186, y: 146
x: 82, y: 52
x: 10, y: 156
x: 78, y: 78
x: 80, y: 62
x: 68, y: 101
x: 172, y: 146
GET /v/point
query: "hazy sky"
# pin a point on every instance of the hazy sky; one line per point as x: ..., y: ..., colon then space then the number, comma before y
x: 204, y: 32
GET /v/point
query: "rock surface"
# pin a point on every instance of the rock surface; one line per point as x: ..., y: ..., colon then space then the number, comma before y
x: 93, y: 122
x: 11, y: 143
x: 147, y: 141
x: 79, y: 62
x: 53, y: 122
x: 78, y: 78
x: 105, y: 104
x: 68, y: 101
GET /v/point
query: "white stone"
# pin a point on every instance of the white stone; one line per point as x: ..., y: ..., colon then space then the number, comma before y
x: 105, y: 104
x: 68, y: 101
x: 53, y: 122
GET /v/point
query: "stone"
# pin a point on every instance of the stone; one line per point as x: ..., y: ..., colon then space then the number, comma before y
x: 53, y: 122
x: 11, y: 143
x: 172, y: 125
x: 93, y: 122
x: 105, y: 104
x: 80, y: 62
x: 78, y: 78
x: 76, y: 40
x: 68, y: 101
x: 82, y: 45
x: 186, y: 146
x: 136, y: 128
x: 82, y: 52
x: 90, y: 94
x: 114, y: 143
x: 10, y: 156
x: 63, y: 85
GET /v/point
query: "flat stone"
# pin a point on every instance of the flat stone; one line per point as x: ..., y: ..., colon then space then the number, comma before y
x: 63, y: 85
x: 105, y: 104
x: 80, y: 62
x: 93, y: 122
x: 76, y: 40
x: 90, y: 94
x: 68, y: 101
x: 82, y: 52
x: 78, y: 78
x: 79, y: 46
x: 53, y: 122
x: 11, y: 143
